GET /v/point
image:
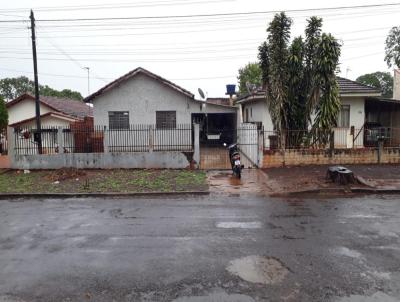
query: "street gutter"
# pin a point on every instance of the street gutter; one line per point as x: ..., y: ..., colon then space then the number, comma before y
x: 98, y: 195
x: 345, y: 191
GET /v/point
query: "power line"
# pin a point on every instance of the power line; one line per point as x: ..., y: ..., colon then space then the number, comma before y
x: 215, y: 14
x: 118, y: 5
x: 83, y: 77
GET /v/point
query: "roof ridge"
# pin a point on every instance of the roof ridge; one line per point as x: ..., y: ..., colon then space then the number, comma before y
x: 132, y: 73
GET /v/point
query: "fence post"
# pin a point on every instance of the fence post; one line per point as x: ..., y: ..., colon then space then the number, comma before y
x: 380, y: 150
x: 106, y: 142
x: 11, y: 145
x: 60, y: 140
x: 260, y: 147
x: 331, y: 143
x: 151, y: 138
x: 196, y: 154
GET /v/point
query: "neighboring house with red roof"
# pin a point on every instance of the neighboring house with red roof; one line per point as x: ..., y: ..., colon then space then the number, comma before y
x: 54, y: 112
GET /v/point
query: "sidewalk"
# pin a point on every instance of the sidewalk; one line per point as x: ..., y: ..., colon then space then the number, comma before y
x: 303, y: 178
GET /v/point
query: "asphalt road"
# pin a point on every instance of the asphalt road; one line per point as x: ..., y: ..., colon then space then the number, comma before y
x: 206, y: 248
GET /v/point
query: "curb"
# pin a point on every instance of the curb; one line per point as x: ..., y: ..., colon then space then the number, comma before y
x: 98, y: 195
x: 336, y: 191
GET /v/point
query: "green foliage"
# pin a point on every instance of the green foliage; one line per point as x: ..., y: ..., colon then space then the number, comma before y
x: 379, y: 80
x: 392, y: 49
x: 327, y: 60
x: 300, y: 76
x: 11, y: 88
x: 3, y: 114
x: 278, y: 54
x: 251, y: 74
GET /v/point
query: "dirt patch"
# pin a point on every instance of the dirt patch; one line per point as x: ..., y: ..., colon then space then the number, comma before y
x: 64, y: 174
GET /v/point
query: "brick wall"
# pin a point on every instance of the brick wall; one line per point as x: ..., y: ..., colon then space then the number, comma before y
x: 277, y: 158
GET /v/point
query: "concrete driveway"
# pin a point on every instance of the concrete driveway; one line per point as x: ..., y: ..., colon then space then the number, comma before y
x: 209, y: 248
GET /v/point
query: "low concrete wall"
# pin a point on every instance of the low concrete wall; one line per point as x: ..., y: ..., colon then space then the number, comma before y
x: 146, y: 160
x: 278, y: 158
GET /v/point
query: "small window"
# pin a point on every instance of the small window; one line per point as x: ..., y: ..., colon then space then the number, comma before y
x: 343, y: 120
x: 251, y: 112
x: 118, y: 119
x: 165, y: 119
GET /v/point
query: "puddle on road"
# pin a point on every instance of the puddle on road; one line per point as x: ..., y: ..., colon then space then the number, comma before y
x: 257, y: 269
x: 239, y: 225
x: 344, y: 251
x: 377, y: 297
x: 217, y: 297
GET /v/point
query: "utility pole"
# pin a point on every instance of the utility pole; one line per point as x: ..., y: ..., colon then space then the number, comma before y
x: 88, y: 79
x: 38, y: 134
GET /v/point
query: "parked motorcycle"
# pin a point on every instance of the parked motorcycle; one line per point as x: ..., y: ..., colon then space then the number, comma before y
x: 234, y: 157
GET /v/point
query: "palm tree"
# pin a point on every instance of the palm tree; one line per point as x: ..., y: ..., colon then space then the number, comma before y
x: 299, y: 77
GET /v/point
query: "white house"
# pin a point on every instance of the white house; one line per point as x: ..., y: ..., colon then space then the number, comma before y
x: 353, y: 96
x: 141, y: 97
x: 54, y: 112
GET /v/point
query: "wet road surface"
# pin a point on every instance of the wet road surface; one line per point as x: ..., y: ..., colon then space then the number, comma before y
x: 208, y: 248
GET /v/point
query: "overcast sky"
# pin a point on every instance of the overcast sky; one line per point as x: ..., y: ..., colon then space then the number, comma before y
x: 193, y: 52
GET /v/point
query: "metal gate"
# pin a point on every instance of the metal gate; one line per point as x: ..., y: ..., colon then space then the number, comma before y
x: 214, y: 155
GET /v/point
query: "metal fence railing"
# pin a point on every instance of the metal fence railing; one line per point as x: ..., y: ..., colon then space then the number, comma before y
x: 173, y: 139
x: 93, y: 139
x: 26, y: 141
x: 338, y: 138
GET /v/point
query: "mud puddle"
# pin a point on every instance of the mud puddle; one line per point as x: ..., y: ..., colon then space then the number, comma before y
x: 239, y: 225
x: 217, y: 297
x: 257, y: 269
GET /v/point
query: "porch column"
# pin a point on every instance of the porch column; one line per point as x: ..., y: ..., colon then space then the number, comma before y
x: 196, y: 154
x: 106, y: 142
x: 11, y: 145
x: 60, y: 140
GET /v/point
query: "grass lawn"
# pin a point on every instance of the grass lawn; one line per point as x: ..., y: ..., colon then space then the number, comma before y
x: 87, y: 181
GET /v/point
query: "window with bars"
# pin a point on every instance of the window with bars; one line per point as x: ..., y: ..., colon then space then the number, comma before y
x: 343, y: 120
x: 166, y: 119
x: 118, y: 119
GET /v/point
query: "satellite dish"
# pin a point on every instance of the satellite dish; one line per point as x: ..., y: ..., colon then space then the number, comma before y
x: 203, y: 96
x: 250, y: 87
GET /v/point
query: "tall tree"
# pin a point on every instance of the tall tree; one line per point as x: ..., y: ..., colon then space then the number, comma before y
x: 278, y: 54
x: 3, y: 114
x: 249, y: 74
x: 300, y: 76
x: 392, y: 49
x: 11, y: 88
x: 380, y: 80
x: 328, y: 105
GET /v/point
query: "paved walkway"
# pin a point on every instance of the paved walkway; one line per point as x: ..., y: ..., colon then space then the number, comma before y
x: 217, y: 158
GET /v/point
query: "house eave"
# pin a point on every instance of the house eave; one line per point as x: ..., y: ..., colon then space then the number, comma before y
x: 358, y: 94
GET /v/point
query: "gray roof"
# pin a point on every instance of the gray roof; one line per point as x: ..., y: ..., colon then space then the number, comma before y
x: 347, y: 86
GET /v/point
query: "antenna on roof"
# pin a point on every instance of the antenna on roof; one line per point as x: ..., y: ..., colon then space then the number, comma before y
x: 201, y: 92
